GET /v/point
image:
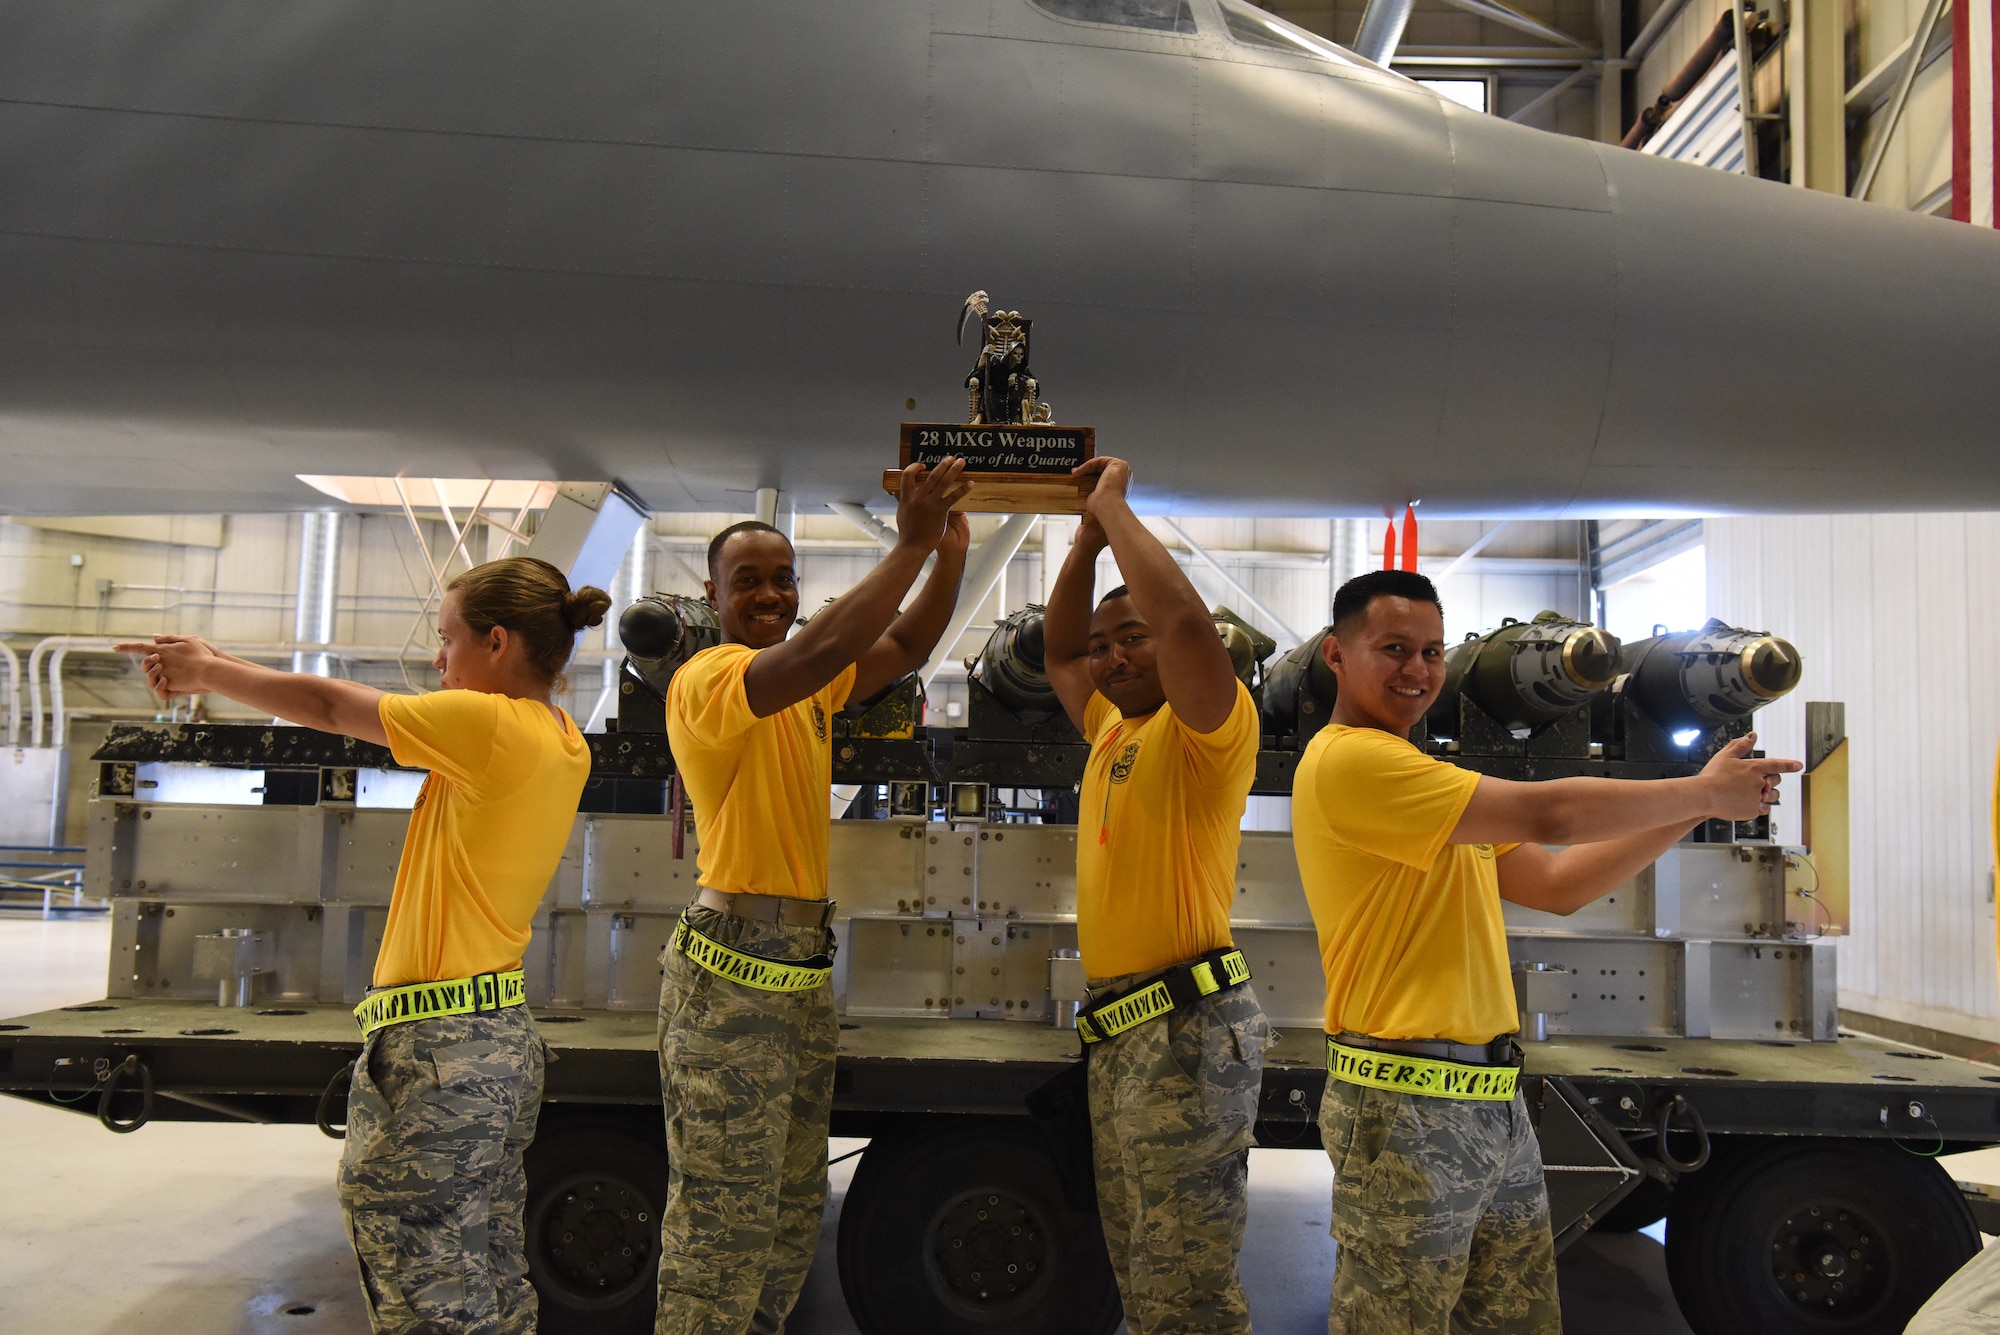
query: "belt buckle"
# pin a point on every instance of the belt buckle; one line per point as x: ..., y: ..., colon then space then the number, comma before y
x: 478, y: 980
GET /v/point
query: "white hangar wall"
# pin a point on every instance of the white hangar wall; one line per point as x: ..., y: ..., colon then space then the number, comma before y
x: 1895, y: 615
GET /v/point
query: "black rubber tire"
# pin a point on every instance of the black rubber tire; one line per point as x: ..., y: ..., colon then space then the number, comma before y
x: 1862, y: 1232
x: 595, y: 1191
x: 915, y: 1204
x: 1644, y: 1205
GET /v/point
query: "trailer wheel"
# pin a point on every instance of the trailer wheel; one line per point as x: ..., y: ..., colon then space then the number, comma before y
x: 1837, y: 1237
x: 966, y: 1230
x: 595, y: 1191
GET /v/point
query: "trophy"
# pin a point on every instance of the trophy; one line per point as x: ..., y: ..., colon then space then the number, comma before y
x: 1016, y: 459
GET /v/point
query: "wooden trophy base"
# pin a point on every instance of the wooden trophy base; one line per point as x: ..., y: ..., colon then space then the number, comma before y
x: 1012, y: 493
x: 1011, y: 469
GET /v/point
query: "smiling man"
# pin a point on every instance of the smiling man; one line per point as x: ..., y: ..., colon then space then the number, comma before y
x: 747, y: 1034
x: 1174, y: 1033
x: 1438, y: 1200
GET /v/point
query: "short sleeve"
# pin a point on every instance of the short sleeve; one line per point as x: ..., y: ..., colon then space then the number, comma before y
x: 449, y: 733
x: 840, y: 689
x: 708, y: 696
x: 1094, y: 715
x: 1223, y: 751
x: 1384, y: 797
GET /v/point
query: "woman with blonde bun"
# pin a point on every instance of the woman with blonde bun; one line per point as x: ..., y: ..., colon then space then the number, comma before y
x: 449, y: 1081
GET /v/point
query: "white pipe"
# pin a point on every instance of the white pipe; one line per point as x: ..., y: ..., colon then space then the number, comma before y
x: 1381, y: 30
x: 320, y: 533
x: 981, y: 574
x: 13, y: 694
x: 1238, y: 585
x: 61, y: 644
x: 861, y: 518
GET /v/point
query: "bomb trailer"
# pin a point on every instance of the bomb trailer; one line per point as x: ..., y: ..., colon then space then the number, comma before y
x: 1684, y: 1054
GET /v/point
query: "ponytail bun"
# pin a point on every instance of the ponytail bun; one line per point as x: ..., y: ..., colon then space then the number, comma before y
x: 533, y: 600
x: 586, y: 607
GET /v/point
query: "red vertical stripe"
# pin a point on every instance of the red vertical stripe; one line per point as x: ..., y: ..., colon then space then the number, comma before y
x: 1993, y: 84
x: 1409, y: 537
x: 1389, y: 547
x: 1961, y: 111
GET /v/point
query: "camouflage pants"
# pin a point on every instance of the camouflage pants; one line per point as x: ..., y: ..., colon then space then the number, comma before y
x: 1172, y: 1105
x: 431, y: 1182
x: 747, y: 1078
x: 1441, y: 1215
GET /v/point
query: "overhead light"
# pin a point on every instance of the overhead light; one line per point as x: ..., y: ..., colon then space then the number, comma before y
x: 429, y: 493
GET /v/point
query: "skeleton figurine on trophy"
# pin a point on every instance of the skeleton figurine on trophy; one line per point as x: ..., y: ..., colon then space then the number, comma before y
x: 1017, y: 459
x: 1001, y: 388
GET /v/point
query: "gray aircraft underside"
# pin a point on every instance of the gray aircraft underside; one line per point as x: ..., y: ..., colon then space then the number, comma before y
x: 704, y: 248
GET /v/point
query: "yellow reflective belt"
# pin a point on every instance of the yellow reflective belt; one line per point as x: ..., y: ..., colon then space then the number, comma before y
x: 749, y: 970
x: 1098, y: 1023
x: 1419, y: 1075
x: 480, y: 994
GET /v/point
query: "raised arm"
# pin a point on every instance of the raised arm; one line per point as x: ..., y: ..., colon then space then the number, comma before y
x: 1732, y: 786
x: 846, y: 628
x: 186, y: 665
x: 1066, y: 622
x: 1564, y: 882
x: 1195, y: 671
x: 907, y: 644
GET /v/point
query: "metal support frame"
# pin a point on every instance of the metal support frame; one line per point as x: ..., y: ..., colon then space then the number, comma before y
x: 1478, y: 545
x: 13, y: 694
x: 1610, y: 82
x: 1548, y: 95
x: 982, y: 572
x: 1381, y: 30
x: 1656, y: 28
x: 1816, y: 74
x: 1514, y: 18
x: 1200, y: 553
x: 1745, y: 88
x: 1905, y: 80
x: 440, y: 571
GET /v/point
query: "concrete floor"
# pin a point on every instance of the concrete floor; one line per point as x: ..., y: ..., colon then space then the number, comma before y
x: 233, y: 1230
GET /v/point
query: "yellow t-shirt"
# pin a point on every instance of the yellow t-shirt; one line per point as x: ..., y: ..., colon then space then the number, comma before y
x: 760, y: 786
x: 1160, y: 819
x: 1410, y: 933
x: 487, y: 833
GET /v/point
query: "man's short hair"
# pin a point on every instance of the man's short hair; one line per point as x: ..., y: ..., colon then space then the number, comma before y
x: 721, y: 540
x: 1351, y: 604
x: 1120, y: 592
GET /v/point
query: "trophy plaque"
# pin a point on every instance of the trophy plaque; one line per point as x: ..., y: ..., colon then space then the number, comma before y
x: 1017, y: 459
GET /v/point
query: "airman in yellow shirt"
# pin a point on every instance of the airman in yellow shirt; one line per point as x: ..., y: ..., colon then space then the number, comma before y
x: 1174, y: 1033
x: 747, y: 1034
x: 447, y: 1090
x: 1438, y: 1201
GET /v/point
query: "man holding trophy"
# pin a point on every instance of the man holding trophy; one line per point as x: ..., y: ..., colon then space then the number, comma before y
x: 1173, y: 1033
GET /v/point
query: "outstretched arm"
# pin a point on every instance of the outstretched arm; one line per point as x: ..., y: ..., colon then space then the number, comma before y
x: 187, y: 665
x: 787, y: 673
x: 1564, y: 882
x: 1066, y: 622
x: 1732, y: 786
x: 1195, y: 671
x: 907, y: 644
